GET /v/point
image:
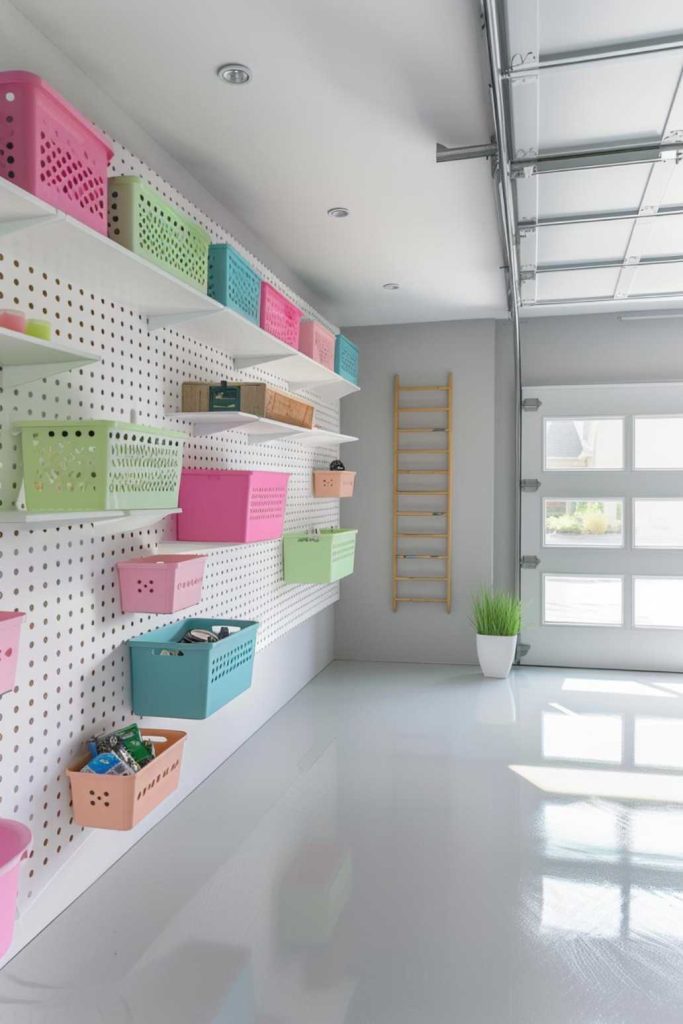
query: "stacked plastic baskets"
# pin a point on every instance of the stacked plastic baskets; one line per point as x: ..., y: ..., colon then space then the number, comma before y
x: 171, y: 679
x: 51, y: 150
x: 99, y: 465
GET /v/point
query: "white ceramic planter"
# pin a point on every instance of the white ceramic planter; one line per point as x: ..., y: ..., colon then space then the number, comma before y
x: 496, y: 654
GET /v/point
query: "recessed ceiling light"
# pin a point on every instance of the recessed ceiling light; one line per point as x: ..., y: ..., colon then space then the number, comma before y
x: 234, y: 74
x: 391, y: 286
x: 337, y: 211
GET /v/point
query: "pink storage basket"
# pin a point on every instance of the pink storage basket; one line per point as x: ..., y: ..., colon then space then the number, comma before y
x: 231, y: 506
x: 121, y: 801
x: 15, y: 840
x: 49, y: 149
x: 317, y: 342
x: 10, y: 629
x: 279, y: 316
x: 161, y: 583
x: 334, y: 484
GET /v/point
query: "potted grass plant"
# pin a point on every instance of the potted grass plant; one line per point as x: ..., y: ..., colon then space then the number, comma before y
x: 497, y: 618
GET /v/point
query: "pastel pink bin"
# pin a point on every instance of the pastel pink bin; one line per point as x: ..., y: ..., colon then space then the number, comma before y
x: 231, y: 506
x: 10, y: 628
x: 15, y: 840
x: 161, y: 583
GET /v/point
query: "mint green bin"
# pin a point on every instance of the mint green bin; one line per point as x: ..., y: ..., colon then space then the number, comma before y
x: 319, y: 558
x: 99, y: 466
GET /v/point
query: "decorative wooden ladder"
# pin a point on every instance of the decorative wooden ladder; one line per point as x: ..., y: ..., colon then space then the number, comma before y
x: 443, y: 494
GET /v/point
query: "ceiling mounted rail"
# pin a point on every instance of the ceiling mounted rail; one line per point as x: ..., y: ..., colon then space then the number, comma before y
x: 586, y: 159
x: 446, y: 154
x: 599, y: 217
x: 607, y: 301
x: 618, y: 264
x: 522, y: 65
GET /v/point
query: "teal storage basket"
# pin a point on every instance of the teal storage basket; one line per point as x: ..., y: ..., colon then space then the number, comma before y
x: 346, y: 359
x: 234, y: 282
x: 175, y: 680
x: 319, y: 558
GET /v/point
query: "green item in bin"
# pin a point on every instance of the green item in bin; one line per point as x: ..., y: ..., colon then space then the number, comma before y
x: 39, y: 329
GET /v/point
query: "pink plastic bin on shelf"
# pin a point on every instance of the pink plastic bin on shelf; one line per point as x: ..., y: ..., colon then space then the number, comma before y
x: 10, y: 629
x: 15, y: 840
x: 51, y: 150
x: 161, y: 583
x: 279, y: 316
x: 231, y: 506
x: 317, y: 342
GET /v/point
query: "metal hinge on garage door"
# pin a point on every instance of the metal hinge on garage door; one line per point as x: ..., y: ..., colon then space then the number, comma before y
x: 531, y: 404
x: 529, y: 562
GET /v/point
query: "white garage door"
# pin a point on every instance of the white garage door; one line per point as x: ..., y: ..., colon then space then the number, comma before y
x: 602, y: 526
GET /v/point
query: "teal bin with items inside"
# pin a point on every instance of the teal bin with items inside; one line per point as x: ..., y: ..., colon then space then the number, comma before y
x: 174, y: 679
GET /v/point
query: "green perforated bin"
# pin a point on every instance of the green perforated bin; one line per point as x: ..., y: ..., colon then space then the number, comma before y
x: 146, y: 224
x: 319, y: 558
x: 99, y: 465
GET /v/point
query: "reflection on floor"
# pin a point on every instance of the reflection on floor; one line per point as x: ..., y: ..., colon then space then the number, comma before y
x: 400, y: 845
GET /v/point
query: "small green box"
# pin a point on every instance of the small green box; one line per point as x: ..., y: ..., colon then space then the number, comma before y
x: 319, y: 558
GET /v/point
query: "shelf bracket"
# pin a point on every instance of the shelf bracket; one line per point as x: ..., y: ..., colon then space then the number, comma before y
x: 157, y: 321
x: 14, y: 376
x: 10, y: 227
x: 323, y: 388
x: 244, y: 362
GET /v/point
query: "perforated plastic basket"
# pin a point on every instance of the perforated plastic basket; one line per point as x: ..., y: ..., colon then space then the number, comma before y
x: 15, y: 840
x: 48, y: 148
x: 317, y: 342
x: 99, y: 465
x: 121, y: 801
x: 175, y: 680
x: 10, y: 631
x: 346, y: 359
x: 234, y: 282
x: 161, y: 583
x: 322, y: 559
x: 279, y: 316
x: 147, y: 225
x: 231, y: 505
x: 334, y: 484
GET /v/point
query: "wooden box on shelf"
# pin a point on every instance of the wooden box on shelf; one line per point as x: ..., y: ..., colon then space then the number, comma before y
x: 256, y: 399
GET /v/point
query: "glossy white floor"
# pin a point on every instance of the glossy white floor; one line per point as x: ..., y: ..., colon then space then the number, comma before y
x: 400, y: 845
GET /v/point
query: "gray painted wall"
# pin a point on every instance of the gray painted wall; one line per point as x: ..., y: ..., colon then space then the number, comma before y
x: 366, y: 627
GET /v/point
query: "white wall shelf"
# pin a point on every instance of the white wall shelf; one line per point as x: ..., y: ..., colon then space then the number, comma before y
x: 259, y: 429
x: 112, y: 522
x: 43, y: 236
x: 198, y: 547
x: 24, y: 358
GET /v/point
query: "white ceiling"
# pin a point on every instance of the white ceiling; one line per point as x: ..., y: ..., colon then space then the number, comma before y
x: 347, y: 103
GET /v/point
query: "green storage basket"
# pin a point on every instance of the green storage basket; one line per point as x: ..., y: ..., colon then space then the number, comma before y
x: 174, y: 680
x: 143, y: 222
x: 99, y: 465
x: 319, y: 558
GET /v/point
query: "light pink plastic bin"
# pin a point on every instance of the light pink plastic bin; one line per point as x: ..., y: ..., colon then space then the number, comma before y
x: 51, y: 150
x: 161, y: 583
x: 15, y: 840
x: 317, y: 342
x: 279, y: 316
x: 231, y: 506
x: 10, y: 629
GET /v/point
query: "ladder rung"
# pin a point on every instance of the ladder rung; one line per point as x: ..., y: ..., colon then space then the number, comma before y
x: 404, y: 534
x: 424, y: 472
x: 424, y: 514
x: 423, y: 387
x: 422, y: 492
x: 430, y: 579
x: 421, y: 430
x: 423, y: 600
x: 422, y: 556
x: 422, y: 451
x: 423, y: 408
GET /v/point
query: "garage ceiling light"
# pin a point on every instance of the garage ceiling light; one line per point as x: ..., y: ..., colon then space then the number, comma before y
x: 234, y: 74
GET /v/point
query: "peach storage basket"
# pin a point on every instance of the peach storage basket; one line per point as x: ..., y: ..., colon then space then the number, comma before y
x: 161, y: 583
x: 333, y: 484
x: 121, y: 801
x: 317, y: 342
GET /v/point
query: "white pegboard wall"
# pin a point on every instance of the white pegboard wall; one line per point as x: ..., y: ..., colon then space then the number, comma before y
x: 73, y: 677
